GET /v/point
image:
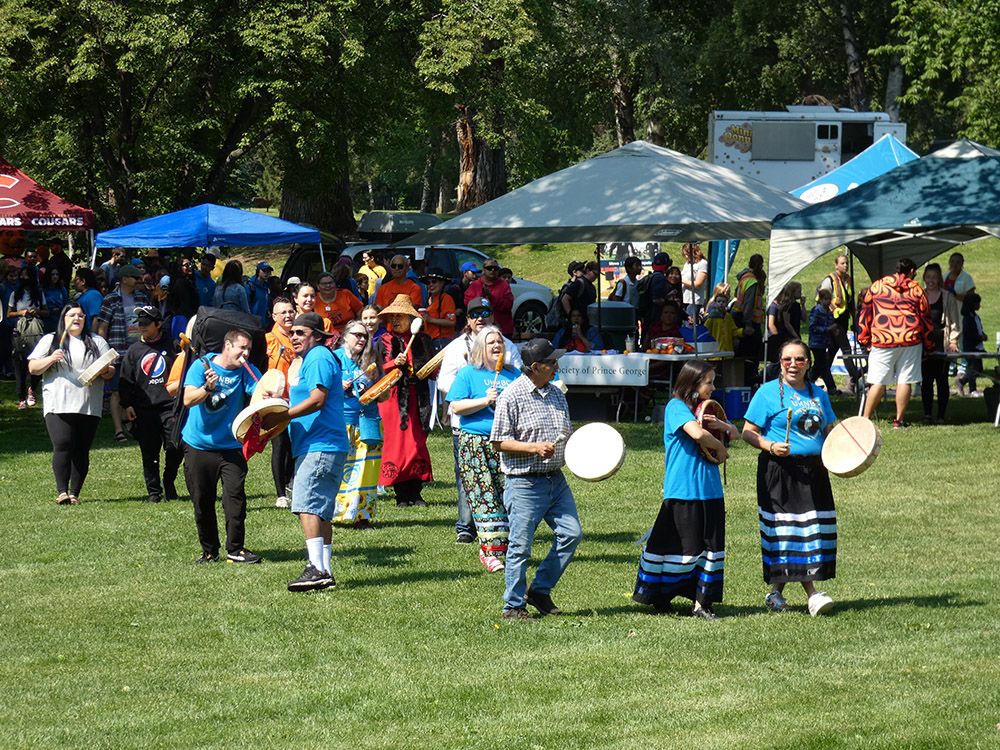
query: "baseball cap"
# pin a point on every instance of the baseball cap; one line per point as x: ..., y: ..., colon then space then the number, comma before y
x: 539, y: 350
x: 138, y: 262
x: 661, y: 261
x: 293, y: 281
x: 264, y: 266
x: 164, y: 281
x: 129, y: 272
x: 313, y: 322
x: 480, y: 303
x: 148, y: 312
x: 470, y: 266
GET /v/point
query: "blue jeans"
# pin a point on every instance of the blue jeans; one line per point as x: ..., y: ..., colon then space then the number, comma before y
x: 464, y: 522
x: 529, y: 501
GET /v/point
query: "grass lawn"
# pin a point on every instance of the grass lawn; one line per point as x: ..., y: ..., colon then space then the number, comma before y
x: 113, y: 638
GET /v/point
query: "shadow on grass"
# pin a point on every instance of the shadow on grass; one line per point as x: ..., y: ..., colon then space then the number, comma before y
x: 415, y: 576
x: 380, y: 557
x: 403, y: 522
x: 948, y: 599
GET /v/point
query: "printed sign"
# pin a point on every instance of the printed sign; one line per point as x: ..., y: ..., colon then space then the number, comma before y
x: 607, y: 369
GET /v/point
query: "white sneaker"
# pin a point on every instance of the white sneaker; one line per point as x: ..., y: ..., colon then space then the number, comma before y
x: 775, y: 602
x: 819, y: 603
x: 282, y: 502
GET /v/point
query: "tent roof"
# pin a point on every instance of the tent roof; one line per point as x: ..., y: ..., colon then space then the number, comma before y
x: 639, y: 192
x: 24, y: 204
x: 917, y: 210
x: 206, y: 225
x: 885, y: 154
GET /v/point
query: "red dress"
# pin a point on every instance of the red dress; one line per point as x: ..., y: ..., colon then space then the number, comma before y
x: 404, y: 452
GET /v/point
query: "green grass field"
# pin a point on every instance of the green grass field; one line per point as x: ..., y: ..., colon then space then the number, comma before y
x: 113, y: 638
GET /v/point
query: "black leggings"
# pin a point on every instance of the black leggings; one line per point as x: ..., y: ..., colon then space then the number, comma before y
x: 934, y: 370
x: 282, y: 464
x: 23, y: 379
x: 71, y: 435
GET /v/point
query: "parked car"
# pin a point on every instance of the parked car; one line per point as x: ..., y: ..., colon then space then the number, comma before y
x: 531, y: 301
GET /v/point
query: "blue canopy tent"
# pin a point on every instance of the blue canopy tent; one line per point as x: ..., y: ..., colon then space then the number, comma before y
x: 917, y: 210
x: 207, y: 225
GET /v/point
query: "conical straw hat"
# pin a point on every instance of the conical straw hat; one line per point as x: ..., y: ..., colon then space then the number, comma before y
x: 402, y: 305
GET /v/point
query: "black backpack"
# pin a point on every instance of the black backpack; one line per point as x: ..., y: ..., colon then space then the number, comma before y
x: 644, y: 307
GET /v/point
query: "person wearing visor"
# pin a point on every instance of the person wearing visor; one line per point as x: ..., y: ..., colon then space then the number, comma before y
x: 530, y: 429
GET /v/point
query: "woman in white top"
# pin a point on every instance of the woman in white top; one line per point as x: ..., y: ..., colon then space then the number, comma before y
x: 694, y: 278
x: 72, y: 410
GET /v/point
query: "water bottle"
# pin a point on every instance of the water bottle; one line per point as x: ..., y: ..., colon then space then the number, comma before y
x: 630, y: 343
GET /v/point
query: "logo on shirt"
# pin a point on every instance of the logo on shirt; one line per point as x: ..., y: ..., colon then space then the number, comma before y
x: 153, y: 364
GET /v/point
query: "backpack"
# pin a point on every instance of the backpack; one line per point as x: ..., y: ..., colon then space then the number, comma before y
x: 644, y: 306
x: 27, y: 332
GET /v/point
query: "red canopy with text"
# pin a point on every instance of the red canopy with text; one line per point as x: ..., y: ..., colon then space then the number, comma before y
x: 26, y: 205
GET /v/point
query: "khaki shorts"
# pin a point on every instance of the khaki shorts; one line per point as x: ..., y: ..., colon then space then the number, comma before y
x: 898, y: 365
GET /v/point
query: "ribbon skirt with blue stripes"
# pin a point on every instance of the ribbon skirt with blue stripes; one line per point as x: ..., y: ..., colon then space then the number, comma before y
x: 685, y: 553
x: 798, y: 521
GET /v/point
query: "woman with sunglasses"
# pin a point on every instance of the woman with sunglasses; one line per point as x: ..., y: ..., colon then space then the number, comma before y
x: 406, y: 463
x: 279, y: 357
x: 358, y: 489
x: 787, y: 421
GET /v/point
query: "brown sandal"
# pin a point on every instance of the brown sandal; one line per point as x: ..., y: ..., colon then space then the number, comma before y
x: 74, y: 500
x: 63, y: 499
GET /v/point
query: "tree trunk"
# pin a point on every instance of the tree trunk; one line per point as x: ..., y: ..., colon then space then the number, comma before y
x: 893, y: 88
x: 857, y: 85
x: 430, y: 162
x: 654, y: 131
x: 445, y: 189
x: 316, y: 189
x: 623, y: 97
x: 482, y: 168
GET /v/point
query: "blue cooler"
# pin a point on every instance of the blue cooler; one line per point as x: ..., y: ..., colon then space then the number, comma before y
x: 736, y: 403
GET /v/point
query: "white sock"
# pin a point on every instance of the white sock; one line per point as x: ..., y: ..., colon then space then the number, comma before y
x: 314, y: 547
x: 327, y: 554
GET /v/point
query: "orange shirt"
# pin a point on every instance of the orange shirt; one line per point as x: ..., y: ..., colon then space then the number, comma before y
x: 344, y: 308
x: 441, y: 308
x: 389, y: 289
x: 279, y: 350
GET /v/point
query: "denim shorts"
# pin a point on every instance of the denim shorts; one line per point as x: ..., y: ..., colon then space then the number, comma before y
x: 317, y: 480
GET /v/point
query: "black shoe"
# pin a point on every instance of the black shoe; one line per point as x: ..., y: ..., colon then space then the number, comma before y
x: 542, y: 602
x: 206, y: 558
x: 419, y: 503
x: 705, y: 613
x: 153, y: 498
x: 243, y: 556
x: 403, y: 503
x: 311, y: 580
x: 465, y: 537
x: 120, y: 437
x: 518, y: 613
x: 169, y: 491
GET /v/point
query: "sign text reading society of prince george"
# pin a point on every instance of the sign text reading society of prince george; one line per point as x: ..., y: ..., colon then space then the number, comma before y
x: 613, y: 370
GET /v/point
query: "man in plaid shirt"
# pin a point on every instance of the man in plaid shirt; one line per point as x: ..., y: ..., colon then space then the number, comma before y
x: 530, y: 430
x: 117, y: 324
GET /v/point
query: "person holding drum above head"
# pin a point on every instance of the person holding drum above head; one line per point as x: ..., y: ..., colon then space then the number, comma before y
x: 406, y: 463
x: 358, y: 488
x: 72, y: 407
x: 530, y: 429
x: 787, y: 421
x: 472, y: 395
x: 319, y: 445
x: 279, y: 357
x: 456, y: 356
x: 685, y: 552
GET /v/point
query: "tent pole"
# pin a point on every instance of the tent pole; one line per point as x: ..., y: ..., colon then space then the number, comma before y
x: 322, y: 256
x: 600, y: 326
x: 93, y: 249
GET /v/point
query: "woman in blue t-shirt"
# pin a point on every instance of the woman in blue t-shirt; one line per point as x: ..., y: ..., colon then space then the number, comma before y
x: 685, y: 552
x: 359, y: 488
x: 472, y: 396
x: 787, y: 420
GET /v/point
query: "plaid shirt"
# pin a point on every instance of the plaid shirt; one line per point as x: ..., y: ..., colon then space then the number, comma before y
x: 113, y: 313
x: 531, y: 415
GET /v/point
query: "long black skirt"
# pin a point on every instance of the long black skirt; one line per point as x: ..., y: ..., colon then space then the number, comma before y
x: 685, y: 554
x: 798, y: 522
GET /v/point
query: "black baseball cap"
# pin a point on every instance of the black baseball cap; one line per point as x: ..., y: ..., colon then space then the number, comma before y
x: 313, y: 322
x: 148, y: 312
x: 539, y: 350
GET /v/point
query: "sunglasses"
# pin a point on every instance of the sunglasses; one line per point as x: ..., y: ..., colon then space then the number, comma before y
x: 796, y: 360
x: 359, y: 334
x: 479, y: 314
x: 299, y: 332
x: 397, y: 266
x: 491, y: 268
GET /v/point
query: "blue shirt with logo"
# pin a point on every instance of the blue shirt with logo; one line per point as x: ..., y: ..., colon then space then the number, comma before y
x: 209, y: 425
x: 473, y: 382
x: 687, y: 475
x: 322, y: 431
x: 812, y: 413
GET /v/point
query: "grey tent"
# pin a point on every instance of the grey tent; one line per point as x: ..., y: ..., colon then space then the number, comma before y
x: 638, y: 193
x: 917, y: 210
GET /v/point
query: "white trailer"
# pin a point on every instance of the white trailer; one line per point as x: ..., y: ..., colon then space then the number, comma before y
x: 789, y: 149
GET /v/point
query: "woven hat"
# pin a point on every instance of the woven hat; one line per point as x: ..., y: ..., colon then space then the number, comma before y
x: 402, y: 305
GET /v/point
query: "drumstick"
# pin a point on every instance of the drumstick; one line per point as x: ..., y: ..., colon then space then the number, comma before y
x: 369, y: 371
x: 415, y: 327
x: 62, y: 338
x: 788, y: 426
x: 249, y: 369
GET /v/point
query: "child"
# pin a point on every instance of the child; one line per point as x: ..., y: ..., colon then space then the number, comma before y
x: 719, y: 321
x: 669, y: 324
x: 684, y: 553
x: 973, y: 337
x: 820, y: 326
x: 362, y: 281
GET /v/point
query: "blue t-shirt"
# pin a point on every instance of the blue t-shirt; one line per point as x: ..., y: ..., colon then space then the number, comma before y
x: 810, y: 416
x: 322, y: 431
x: 687, y: 475
x: 206, y: 289
x: 352, y: 405
x: 473, y: 382
x: 90, y: 301
x: 209, y: 425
